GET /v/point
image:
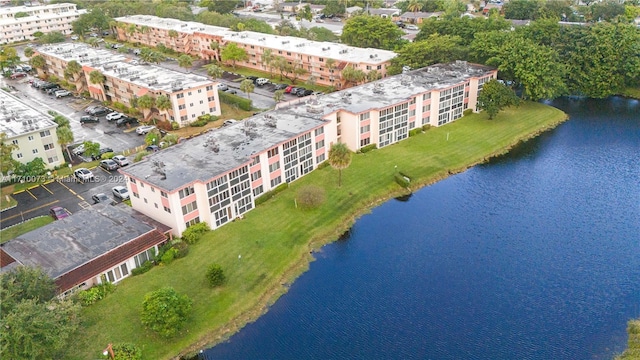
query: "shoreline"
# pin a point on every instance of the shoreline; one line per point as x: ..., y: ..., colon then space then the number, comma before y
x: 315, y: 244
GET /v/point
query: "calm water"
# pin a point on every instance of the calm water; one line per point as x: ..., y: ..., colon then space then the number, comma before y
x: 534, y: 256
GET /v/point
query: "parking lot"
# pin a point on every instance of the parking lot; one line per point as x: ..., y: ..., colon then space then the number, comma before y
x: 65, y: 192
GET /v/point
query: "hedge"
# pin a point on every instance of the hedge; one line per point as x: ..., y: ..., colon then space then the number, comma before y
x: 242, y: 103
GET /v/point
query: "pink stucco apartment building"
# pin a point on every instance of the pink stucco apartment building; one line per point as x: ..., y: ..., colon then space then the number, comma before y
x: 322, y: 60
x: 216, y: 177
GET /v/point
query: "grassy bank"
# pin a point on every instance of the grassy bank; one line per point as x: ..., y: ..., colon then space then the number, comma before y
x: 272, y: 245
x: 25, y: 227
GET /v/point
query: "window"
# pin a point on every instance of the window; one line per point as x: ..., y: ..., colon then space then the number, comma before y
x: 135, y: 194
x: 319, y: 131
x: 256, y: 175
x: 167, y: 209
x: 15, y: 142
x: 52, y: 159
x: 365, y: 142
x: 201, y: 101
x: 45, y: 133
x: 255, y: 161
x: 212, y: 109
x: 321, y: 59
x: 182, y: 107
x: 426, y: 96
x: 275, y: 182
x: 199, y: 91
x: 193, y: 222
x: 211, y: 98
x: 320, y: 144
x: 48, y: 146
x: 412, y: 112
x: 289, y: 53
x: 163, y: 194
x: 144, y: 256
x: 30, y: 137
x: 192, y: 206
x: 180, y: 96
x: 153, y: 189
x: 426, y: 108
x: 190, y: 104
x: 19, y: 155
x: 193, y: 115
x: 275, y: 166
x: 257, y: 191
x: 35, y: 151
x: 132, y: 180
x: 210, y: 87
x: 184, y: 117
x: 189, y: 93
x: 156, y: 205
x: 141, y: 184
x: 186, y: 192
x: 320, y: 158
x: 365, y: 129
x: 273, y: 152
x: 364, y: 116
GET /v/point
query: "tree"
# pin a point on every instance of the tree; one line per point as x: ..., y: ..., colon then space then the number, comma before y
x: 152, y: 137
x: 28, y: 51
x: 65, y: 138
x: 37, y: 330
x: 163, y: 103
x: 371, y: 32
x: 150, y: 56
x: 436, y: 49
x: 214, y: 71
x: 170, y: 139
x: 93, y: 42
x: 61, y: 120
x: 233, y: 53
x: 414, y: 6
x: 339, y: 158
x: 73, y: 72
x: 185, y: 61
x: 322, y: 34
x: 96, y: 77
x: 173, y: 34
x: 52, y: 37
x: 91, y: 149
x: 8, y: 57
x: 215, y: 46
x: 334, y: 8
x: 305, y: 13
x: 496, y: 96
x: 24, y: 283
x: 215, y: 275
x: 224, y: 6
x: 7, y: 163
x: 247, y: 86
x: 165, y: 311
x: 267, y: 60
x: 373, y: 75
x: 34, y: 167
x: 278, y: 95
x: 353, y: 76
x: 146, y: 102
x: 520, y: 9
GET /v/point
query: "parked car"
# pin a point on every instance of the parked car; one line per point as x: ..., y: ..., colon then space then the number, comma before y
x: 295, y: 90
x: 99, y: 111
x: 93, y: 35
x: 47, y: 86
x: 252, y: 78
x: 134, y: 62
x: 109, y: 165
x: 105, y: 33
x: 83, y: 174
x: 288, y: 89
x: 117, y: 46
x: 74, y: 37
x: 114, y: 116
x: 261, y: 81
x: 229, y: 122
x: 26, y: 68
x: 304, y: 92
x: 152, y: 148
x: 18, y: 75
x: 143, y: 130
x: 126, y: 120
x: 280, y: 86
x: 231, y: 91
x: 89, y: 119
x: 79, y: 150
x: 121, y: 160
x: 58, y: 213
x: 136, y: 51
x: 411, y: 27
x: 90, y: 108
x: 62, y: 93
x: 52, y: 90
x: 120, y: 192
x: 98, y: 198
x: 400, y: 24
x: 222, y: 87
x: 102, y: 152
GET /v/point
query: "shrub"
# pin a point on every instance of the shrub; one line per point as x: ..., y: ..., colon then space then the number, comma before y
x: 126, y: 352
x: 98, y: 292
x: 269, y: 194
x: 426, y: 127
x: 402, y: 179
x: 108, y: 155
x: 169, y: 255
x: 146, y: 266
x: 242, y: 103
x: 414, y: 132
x: 182, y: 249
x: 140, y: 155
x: 164, y: 125
x: 195, y: 232
x: 175, y: 125
x: 120, y: 106
x: 311, y: 196
x: 198, y: 123
x: 165, y: 311
x: 368, y: 148
x: 215, y: 275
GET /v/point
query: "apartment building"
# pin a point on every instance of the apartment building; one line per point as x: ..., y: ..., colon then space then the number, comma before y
x: 32, y: 131
x: 324, y: 61
x: 19, y: 23
x: 216, y: 177
x: 191, y: 95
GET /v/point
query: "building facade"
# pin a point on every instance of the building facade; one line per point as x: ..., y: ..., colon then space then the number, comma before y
x: 190, y: 95
x: 33, y: 132
x: 215, y: 178
x: 324, y: 61
x: 19, y: 23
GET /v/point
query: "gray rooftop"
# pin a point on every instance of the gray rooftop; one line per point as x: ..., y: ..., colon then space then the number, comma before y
x: 65, y: 244
x: 194, y: 159
x: 285, y: 43
x: 18, y: 118
x: 420, y: 15
x: 116, y: 65
x: 220, y: 150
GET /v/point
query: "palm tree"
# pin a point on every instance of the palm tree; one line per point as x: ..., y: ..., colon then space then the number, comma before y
x: 93, y: 42
x: 131, y: 29
x: 214, y: 71
x: 163, y: 103
x: 339, y: 158
x: 72, y: 72
x: 215, y: 46
x: 96, y: 77
x: 267, y: 59
x: 38, y: 62
x: 185, y: 61
x: 65, y: 137
x: 146, y: 102
x: 247, y: 86
x: 414, y: 6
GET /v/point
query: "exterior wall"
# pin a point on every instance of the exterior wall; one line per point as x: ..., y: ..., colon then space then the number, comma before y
x: 152, y: 202
x: 45, y: 19
x: 32, y: 145
x: 190, y: 103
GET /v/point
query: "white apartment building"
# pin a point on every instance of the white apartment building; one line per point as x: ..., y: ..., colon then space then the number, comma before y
x: 19, y: 23
x: 32, y: 131
x: 191, y: 95
x: 216, y: 177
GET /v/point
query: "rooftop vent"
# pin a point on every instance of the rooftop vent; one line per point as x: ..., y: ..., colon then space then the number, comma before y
x: 158, y: 167
x: 243, y: 36
x: 343, y: 51
x: 314, y: 107
x: 262, y: 39
x: 285, y: 42
x: 405, y: 80
x: 176, y: 86
x: 270, y: 120
x: 211, y: 144
x: 378, y: 88
x: 373, y: 56
x: 327, y: 48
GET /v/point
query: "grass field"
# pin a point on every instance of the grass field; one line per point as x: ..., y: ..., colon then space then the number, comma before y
x: 273, y: 244
x: 25, y: 227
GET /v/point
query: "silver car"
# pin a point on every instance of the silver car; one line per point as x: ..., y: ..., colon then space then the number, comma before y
x: 120, y: 192
x: 120, y: 160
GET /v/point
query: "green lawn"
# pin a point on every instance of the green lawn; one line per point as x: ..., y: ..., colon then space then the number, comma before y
x: 25, y: 227
x: 631, y: 92
x: 271, y: 246
x: 7, y: 201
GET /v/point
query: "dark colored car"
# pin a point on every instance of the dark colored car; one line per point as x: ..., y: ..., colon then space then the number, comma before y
x: 89, y: 119
x: 102, y: 152
x: 252, y: 78
x: 58, y: 213
x: 48, y: 86
x: 98, y: 198
x: 126, y: 120
x: 52, y: 90
x: 99, y: 111
x: 295, y: 90
x: 280, y: 86
x: 152, y: 148
x: 302, y: 93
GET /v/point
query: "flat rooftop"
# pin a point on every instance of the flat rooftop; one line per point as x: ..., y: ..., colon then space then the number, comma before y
x: 284, y: 43
x: 36, y: 12
x: 65, y: 244
x: 18, y: 118
x: 220, y: 150
x: 118, y: 66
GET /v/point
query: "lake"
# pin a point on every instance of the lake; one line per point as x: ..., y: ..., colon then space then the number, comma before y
x: 531, y: 256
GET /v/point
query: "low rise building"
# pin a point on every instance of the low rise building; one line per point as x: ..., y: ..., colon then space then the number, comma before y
x: 190, y: 95
x: 324, y: 61
x: 102, y: 242
x: 417, y: 17
x: 33, y: 132
x: 20, y: 23
x: 216, y: 177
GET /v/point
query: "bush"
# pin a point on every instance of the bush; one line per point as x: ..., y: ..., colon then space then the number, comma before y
x: 175, y: 125
x: 402, y: 179
x: 165, y: 311
x: 269, y: 194
x: 195, y: 232
x: 108, y: 155
x: 203, y: 120
x: 98, y: 292
x: 164, y: 125
x: 414, y: 132
x: 311, y: 196
x: 198, y: 123
x: 126, y: 352
x: 368, y: 148
x: 426, y: 127
x: 215, y: 275
x: 182, y: 249
x: 242, y: 103
x: 169, y: 255
x: 120, y: 107
x: 467, y: 112
x: 146, y: 266
x: 140, y: 155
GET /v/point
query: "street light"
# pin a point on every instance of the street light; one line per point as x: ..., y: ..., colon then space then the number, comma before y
x: 109, y: 351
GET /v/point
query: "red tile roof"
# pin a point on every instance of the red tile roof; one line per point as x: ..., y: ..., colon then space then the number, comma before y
x: 5, y: 259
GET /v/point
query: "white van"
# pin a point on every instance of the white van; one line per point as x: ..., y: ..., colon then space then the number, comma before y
x: 261, y: 81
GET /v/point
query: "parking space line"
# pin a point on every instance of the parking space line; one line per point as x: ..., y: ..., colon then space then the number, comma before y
x: 84, y: 204
x: 29, y: 192
x: 101, y: 168
x: 68, y: 188
x: 44, y: 187
x: 30, y: 210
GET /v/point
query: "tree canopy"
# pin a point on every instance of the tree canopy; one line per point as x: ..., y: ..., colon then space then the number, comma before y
x: 496, y: 96
x: 371, y: 32
x: 435, y: 49
x: 339, y: 159
x: 165, y: 311
x: 233, y: 53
